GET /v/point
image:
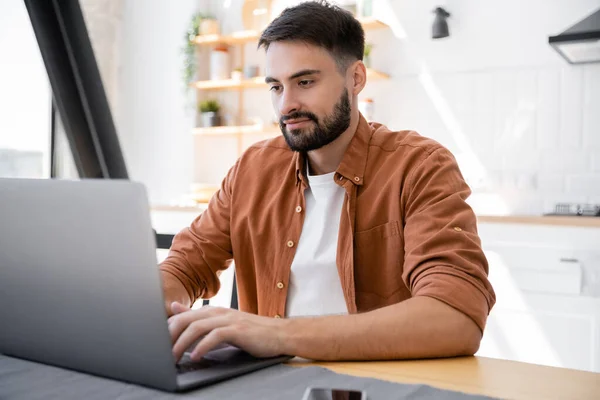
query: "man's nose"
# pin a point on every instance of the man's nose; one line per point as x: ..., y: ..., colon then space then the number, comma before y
x: 288, y: 103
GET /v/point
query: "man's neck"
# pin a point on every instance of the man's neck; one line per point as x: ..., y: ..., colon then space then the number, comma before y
x: 326, y: 159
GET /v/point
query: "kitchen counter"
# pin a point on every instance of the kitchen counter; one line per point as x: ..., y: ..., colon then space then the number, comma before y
x: 591, y: 222
x: 555, y: 220
x: 199, y: 208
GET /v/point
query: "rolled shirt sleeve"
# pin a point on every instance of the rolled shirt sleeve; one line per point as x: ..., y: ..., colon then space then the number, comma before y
x: 200, y: 252
x: 443, y: 254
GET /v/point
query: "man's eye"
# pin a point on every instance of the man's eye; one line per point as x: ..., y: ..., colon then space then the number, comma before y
x: 274, y: 88
x: 305, y: 82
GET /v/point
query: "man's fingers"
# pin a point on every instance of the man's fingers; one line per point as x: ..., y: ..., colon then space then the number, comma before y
x: 179, y: 322
x: 212, y: 340
x: 194, y: 331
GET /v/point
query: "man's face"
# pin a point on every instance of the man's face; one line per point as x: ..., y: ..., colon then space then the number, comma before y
x: 309, y: 94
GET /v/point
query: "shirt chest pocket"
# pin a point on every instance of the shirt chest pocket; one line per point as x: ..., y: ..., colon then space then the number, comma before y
x: 378, y: 265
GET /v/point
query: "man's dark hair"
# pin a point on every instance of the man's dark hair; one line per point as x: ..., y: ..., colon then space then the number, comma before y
x: 322, y: 24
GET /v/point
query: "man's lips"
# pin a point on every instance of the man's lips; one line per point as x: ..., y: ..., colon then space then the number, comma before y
x: 296, y: 123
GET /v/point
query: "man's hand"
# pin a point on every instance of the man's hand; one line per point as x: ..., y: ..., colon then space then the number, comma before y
x: 259, y: 336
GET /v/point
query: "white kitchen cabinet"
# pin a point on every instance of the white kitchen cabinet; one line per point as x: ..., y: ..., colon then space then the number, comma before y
x: 546, y: 280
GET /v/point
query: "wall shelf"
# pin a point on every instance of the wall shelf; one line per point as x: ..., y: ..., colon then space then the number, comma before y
x: 371, y: 23
x: 373, y: 74
x: 229, y: 84
x: 243, y: 37
x: 240, y: 37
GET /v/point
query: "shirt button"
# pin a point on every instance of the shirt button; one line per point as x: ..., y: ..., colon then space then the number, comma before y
x: 290, y: 244
x: 457, y: 229
x: 298, y: 209
x: 277, y: 316
x: 357, y: 179
x: 280, y: 285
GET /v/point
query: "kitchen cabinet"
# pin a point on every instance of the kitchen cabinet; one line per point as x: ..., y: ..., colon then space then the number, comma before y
x: 547, y: 282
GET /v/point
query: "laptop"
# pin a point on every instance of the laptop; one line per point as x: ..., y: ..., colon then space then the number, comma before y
x: 78, y: 271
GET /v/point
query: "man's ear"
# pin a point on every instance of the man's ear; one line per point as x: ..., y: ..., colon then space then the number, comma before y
x: 359, y: 76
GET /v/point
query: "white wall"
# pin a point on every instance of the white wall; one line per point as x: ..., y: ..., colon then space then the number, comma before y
x: 24, y: 96
x: 524, y: 124
x: 153, y: 123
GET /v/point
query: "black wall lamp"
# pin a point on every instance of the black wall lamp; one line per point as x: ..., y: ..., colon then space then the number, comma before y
x: 440, y: 25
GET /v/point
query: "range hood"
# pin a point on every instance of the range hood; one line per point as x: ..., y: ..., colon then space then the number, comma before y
x: 580, y: 43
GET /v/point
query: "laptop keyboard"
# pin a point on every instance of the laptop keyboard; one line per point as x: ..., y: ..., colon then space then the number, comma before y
x: 187, y: 365
x: 217, y: 357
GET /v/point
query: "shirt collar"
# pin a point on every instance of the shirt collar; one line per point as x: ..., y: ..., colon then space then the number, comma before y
x: 353, y: 163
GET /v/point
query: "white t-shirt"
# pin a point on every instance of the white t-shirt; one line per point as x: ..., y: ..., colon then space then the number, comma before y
x: 315, y: 287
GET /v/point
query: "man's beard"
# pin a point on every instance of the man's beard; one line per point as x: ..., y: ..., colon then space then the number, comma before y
x: 323, y: 132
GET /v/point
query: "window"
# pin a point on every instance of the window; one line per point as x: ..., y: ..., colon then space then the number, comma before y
x: 25, y: 97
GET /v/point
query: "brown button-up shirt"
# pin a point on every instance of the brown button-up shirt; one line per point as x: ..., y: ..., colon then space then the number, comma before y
x: 405, y: 228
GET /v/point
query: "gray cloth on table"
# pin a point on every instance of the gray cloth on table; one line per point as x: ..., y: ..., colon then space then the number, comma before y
x: 20, y: 379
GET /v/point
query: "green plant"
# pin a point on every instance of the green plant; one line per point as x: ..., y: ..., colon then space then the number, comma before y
x: 190, y: 63
x: 209, y: 106
x: 368, y: 49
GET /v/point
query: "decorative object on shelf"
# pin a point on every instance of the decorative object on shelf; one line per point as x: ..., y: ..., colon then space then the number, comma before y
x: 251, y: 71
x: 237, y: 74
x: 367, y: 55
x: 367, y: 108
x: 209, y: 26
x: 364, y: 8
x: 256, y: 14
x: 219, y: 63
x: 209, y: 109
x: 228, y: 119
x: 440, y: 24
x: 190, y: 62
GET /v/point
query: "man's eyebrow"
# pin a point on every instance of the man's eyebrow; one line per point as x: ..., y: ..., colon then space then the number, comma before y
x: 304, y: 72
x: 298, y: 74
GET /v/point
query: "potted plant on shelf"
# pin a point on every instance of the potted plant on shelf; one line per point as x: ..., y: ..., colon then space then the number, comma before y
x: 190, y: 61
x: 367, y: 55
x: 209, y: 110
